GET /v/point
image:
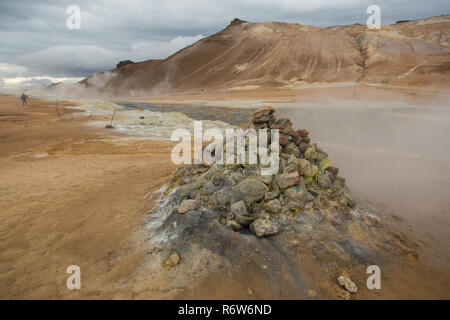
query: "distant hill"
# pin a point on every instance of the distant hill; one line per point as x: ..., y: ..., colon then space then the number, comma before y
x: 277, y: 54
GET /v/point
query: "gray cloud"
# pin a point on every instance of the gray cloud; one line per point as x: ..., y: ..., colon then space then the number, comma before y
x: 34, y: 34
x: 62, y: 60
x: 33, y: 84
x: 11, y: 70
x: 83, y: 60
x: 24, y: 85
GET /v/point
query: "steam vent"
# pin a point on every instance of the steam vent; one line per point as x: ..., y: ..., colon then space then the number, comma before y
x: 297, y: 226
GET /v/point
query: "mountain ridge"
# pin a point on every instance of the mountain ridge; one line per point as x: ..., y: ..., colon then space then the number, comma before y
x: 286, y: 55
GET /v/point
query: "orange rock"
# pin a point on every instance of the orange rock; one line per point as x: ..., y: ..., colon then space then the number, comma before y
x: 278, y: 127
x: 302, y: 132
x: 266, y: 111
x: 333, y: 170
x: 287, y: 180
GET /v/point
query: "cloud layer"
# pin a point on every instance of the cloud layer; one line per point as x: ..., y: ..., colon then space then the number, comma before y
x: 35, y: 42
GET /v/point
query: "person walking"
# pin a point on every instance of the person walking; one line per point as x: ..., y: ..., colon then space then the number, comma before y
x: 24, y: 98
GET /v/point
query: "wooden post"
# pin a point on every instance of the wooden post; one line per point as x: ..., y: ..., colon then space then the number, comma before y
x: 57, y: 110
x: 113, y: 117
x: 110, y: 126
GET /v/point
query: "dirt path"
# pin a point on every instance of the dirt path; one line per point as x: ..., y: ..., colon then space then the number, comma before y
x: 70, y: 195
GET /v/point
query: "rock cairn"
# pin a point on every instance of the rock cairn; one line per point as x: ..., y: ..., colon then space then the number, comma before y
x: 220, y: 217
x: 306, y: 180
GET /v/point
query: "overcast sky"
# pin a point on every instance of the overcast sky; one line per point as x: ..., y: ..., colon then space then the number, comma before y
x: 37, y: 46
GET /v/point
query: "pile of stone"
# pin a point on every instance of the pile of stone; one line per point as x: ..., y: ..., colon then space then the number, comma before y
x: 300, y: 156
x: 246, y: 199
x: 303, y: 219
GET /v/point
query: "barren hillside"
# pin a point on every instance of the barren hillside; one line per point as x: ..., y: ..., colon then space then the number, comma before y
x: 274, y: 54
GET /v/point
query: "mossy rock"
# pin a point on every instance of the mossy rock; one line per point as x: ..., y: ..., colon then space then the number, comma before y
x: 324, y: 164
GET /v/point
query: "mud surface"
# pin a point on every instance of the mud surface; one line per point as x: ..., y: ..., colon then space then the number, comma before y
x: 396, y: 156
x: 233, y: 116
x: 72, y: 194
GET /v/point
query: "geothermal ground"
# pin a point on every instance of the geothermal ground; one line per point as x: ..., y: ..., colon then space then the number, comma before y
x: 73, y: 192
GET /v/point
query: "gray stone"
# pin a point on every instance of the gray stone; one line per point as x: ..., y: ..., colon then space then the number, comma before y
x: 285, y: 223
x: 230, y: 216
x: 302, y: 218
x: 290, y: 168
x: 263, y: 228
x: 272, y: 195
x: 318, y: 217
x: 295, y: 137
x: 294, y: 205
x: 305, y: 167
x: 371, y: 220
x: 303, y: 146
x: 339, y: 181
x: 250, y: 172
x: 286, y: 123
x: 324, y: 180
x: 304, y: 229
x: 293, y: 159
x: 267, y: 118
x: 245, y: 220
x: 321, y: 155
x: 233, y: 225
x: 351, y: 203
x: 186, y: 191
x: 237, y: 176
x: 273, y: 206
x: 285, y: 156
x: 314, y: 170
x: 281, y: 198
x: 311, y: 153
x: 284, y: 140
x: 306, y: 139
x: 188, y: 205
x: 263, y: 215
x: 258, y: 126
x: 267, y: 179
x: 239, y: 208
x: 210, y: 188
x: 291, y: 148
x: 250, y: 190
x: 297, y: 197
x: 225, y: 196
x: 291, y: 192
x: 283, y: 164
